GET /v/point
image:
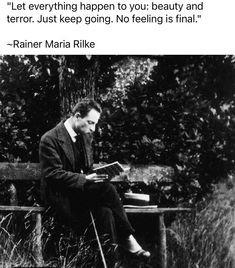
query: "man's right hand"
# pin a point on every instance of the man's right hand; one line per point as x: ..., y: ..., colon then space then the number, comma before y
x: 93, y: 177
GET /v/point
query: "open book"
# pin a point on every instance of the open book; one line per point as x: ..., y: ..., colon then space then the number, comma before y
x: 112, y: 169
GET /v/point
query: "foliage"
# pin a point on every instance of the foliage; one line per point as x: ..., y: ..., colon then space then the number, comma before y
x: 29, y: 104
x: 205, y: 239
x: 181, y: 116
x: 36, y: 92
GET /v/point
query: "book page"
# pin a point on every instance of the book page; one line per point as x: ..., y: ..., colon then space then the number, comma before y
x: 112, y: 169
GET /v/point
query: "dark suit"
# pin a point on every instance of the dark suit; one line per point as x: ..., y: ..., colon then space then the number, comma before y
x: 65, y: 188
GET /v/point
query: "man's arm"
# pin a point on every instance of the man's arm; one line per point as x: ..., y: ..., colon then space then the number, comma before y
x: 52, y: 166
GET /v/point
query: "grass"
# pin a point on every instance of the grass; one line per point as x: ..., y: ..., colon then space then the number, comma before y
x: 13, y: 250
x: 206, y: 238
x: 16, y: 246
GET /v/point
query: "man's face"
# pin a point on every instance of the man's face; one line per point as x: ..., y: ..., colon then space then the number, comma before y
x: 88, y: 123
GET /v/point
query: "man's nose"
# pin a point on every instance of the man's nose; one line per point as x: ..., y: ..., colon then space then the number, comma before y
x: 92, y: 128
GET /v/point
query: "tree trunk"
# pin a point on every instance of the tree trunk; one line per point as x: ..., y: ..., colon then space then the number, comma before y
x: 77, y: 79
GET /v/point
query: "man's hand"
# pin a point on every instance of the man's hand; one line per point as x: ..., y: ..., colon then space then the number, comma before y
x: 96, y: 177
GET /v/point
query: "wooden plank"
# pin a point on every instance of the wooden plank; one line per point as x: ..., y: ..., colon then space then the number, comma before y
x: 13, y: 195
x: 22, y: 208
x: 151, y: 173
x: 13, y: 202
x: 20, y: 171
x: 140, y: 210
x: 37, y: 249
x: 162, y: 240
x: 128, y: 210
x: 32, y: 172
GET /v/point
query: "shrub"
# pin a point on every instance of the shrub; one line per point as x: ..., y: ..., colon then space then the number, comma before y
x: 179, y: 112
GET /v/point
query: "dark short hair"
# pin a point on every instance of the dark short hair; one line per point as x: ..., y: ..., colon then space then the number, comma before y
x: 84, y: 106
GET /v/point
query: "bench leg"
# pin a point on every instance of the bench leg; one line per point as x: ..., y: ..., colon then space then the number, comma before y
x: 162, y: 240
x: 38, y: 240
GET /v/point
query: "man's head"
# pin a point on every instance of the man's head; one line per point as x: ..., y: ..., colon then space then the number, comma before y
x: 85, y: 116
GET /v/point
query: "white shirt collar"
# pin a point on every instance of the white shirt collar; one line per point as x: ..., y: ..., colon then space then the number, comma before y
x: 71, y: 132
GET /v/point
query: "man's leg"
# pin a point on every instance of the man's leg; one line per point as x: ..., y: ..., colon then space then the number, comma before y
x: 106, y: 228
x: 104, y: 195
x: 105, y: 223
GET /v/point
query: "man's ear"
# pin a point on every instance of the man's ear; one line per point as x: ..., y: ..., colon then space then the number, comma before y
x: 77, y: 115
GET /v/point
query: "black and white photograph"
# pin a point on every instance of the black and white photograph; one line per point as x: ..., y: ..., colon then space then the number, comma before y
x: 117, y: 161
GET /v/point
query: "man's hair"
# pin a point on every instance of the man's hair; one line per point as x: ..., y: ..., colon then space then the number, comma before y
x: 84, y: 106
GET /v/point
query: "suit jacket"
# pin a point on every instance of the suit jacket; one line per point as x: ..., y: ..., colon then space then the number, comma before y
x: 60, y: 181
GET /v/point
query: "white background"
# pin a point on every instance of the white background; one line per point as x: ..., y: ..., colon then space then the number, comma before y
x: 213, y: 34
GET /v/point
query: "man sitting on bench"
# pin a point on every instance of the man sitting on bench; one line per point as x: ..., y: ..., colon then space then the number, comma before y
x: 66, y: 161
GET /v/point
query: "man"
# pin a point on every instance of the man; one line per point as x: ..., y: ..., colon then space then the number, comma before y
x: 70, y: 187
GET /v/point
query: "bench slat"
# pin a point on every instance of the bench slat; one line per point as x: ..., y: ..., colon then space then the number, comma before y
x: 128, y: 210
x: 32, y: 172
x: 20, y: 171
x: 156, y: 210
x: 22, y: 208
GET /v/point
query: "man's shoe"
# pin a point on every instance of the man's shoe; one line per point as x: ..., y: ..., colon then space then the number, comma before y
x: 140, y: 254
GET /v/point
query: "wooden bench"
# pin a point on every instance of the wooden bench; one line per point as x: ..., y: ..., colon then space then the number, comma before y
x: 13, y: 173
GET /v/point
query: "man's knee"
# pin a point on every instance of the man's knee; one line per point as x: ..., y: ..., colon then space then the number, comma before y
x: 109, y: 187
x: 105, y: 212
x: 99, y: 187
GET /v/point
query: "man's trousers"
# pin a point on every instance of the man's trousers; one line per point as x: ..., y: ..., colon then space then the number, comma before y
x: 104, y: 202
